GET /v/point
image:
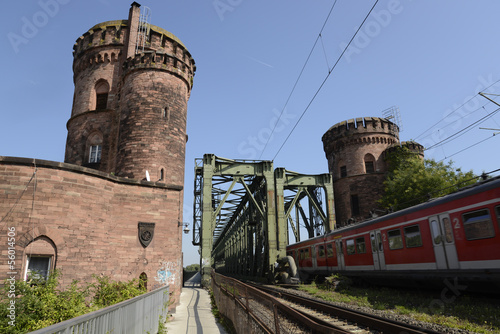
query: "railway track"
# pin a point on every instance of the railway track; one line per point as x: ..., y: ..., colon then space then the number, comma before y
x: 339, y: 319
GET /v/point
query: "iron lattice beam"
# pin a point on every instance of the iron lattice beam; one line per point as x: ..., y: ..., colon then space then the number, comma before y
x: 241, y: 213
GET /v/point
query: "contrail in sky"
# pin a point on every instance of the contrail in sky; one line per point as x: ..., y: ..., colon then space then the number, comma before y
x: 259, y: 61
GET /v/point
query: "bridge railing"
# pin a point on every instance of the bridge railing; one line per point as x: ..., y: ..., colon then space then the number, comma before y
x: 253, y: 311
x: 140, y: 314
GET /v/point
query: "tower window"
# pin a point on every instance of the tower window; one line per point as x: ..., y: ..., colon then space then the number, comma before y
x: 343, y: 171
x: 95, y: 154
x: 102, y: 101
x: 369, y: 163
x: 369, y: 167
x: 162, y: 174
x: 101, y: 91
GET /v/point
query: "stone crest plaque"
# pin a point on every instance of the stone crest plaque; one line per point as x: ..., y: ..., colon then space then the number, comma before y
x: 146, y: 233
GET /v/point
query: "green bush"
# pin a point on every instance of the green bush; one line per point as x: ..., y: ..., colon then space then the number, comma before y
x: 40, y: 303
x: 106, y: 292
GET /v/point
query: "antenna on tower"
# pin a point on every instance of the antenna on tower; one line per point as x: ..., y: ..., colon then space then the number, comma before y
x: 143, y: 29
x: 392, y: 114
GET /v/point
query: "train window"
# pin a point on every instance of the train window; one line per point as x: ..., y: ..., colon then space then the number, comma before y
x: 498, y: 214
x: 448, y: 231
x: 412, y: 236
x: 351, y: 249
x: 306, y: 253
x: 302, y: 254
x: 478, y: 225
x: 360, y: 245
x: 329, y: 250
x: 436, y: 231
x: 321, y: 251
x: 379, y: 241
x: 395, y: 240
x: 339, y: 248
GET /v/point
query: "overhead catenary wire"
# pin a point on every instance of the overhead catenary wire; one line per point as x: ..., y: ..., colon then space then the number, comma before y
x: 454, y: 110
x: 463, y: 131
x: 326, y: 78
x: 468, y: 147
x: 298, y: 78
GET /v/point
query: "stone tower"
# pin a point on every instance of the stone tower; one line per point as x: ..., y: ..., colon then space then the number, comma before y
x: 355, y: 153
x: 130, y: 104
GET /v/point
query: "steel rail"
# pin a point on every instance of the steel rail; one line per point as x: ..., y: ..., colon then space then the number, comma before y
x: 242, y: 293
x: 361, y: 318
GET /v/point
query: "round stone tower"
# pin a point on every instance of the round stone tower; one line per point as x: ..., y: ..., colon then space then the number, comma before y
x: 130, y: 104
x: 354, y: 150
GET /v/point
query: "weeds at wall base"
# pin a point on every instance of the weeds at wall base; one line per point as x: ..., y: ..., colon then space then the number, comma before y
x: 224, y: 321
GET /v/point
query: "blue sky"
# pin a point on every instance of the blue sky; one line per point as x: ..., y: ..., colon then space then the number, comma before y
x: 429, y: 58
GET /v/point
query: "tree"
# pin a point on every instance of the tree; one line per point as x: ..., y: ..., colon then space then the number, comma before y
x: 193, y: 267
x: 412, y: 180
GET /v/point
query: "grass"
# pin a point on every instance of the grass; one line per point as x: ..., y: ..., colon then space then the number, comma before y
x: 471, y: 313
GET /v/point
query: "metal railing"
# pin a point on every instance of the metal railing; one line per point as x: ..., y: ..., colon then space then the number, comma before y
x: 140, y: 314
x: 253, y: 311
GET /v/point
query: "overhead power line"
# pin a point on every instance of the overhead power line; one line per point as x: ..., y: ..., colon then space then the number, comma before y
x: 468, y: 147
x: 463, y: 131
x: 326, y: 78
x: 454, y: 110
x: 298, y: 78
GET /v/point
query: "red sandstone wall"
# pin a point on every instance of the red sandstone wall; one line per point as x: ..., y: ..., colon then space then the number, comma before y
x: 92, y: 219
x: 149, y: 139
x: 83, y: 126
x: 346, y: 144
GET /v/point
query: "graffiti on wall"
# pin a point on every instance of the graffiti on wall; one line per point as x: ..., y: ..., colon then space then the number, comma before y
x: 167, y: 273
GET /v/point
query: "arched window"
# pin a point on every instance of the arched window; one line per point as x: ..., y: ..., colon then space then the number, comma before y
x: 101, y: 93
x: 40, y: 258
x: 369, y: 163
x: 162, y: 174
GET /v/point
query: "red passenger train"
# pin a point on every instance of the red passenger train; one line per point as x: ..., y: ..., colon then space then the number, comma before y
x: 457, y: 235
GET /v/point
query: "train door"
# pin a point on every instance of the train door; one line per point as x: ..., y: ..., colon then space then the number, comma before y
x: 340, y: 254
x: 443, y: 242
x: 377, y: 250
x: 314, y: 257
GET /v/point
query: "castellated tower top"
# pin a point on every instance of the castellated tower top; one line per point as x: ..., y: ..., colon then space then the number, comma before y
x: 111, y: 40
x: 361, y: 130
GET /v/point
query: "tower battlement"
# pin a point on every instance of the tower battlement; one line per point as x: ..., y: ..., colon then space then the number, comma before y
x: 113, y: 32
x: 105, y: 33
x: 105, y: 41
x: 361, y: 130
x: 411, y: 145
x: 160, y: 61
x: 361, y: 125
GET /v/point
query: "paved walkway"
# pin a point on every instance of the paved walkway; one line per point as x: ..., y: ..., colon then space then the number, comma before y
x: 194, y: 315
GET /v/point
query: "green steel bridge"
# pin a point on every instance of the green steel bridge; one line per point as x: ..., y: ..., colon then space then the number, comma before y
x: 245, y: 212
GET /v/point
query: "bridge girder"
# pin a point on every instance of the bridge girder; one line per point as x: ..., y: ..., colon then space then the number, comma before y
x: 241, y: 213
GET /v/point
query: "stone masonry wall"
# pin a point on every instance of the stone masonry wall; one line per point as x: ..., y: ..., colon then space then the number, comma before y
x: 154, y: 138
x: 349, y: 144
x: 92, y: 219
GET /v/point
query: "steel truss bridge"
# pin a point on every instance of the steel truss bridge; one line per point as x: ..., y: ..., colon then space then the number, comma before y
x: 245, y: 210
